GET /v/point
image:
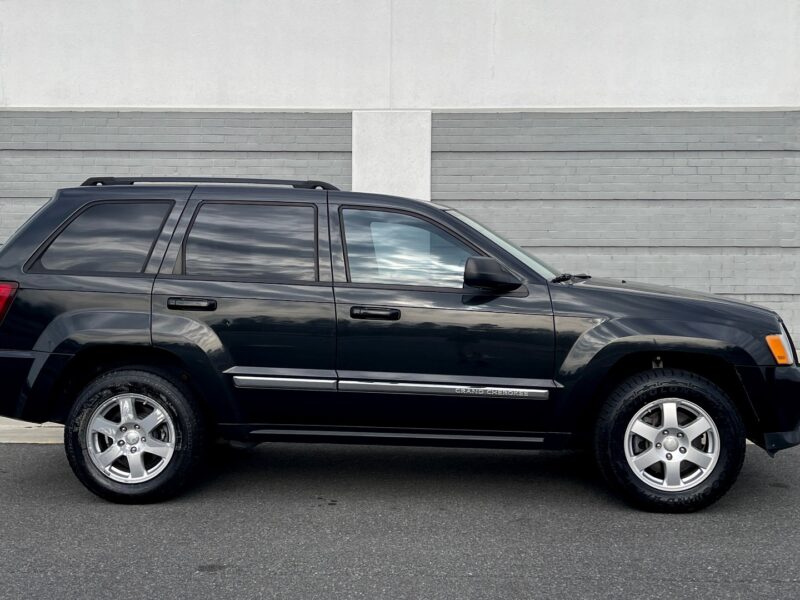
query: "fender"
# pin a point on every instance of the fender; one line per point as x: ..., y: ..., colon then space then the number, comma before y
x: 62, y: 339
x: 70, y: 334
x: 200, y: 349
x: 597, y: 345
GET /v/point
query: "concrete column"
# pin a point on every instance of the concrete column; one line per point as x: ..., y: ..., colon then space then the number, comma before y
x: 392, y: 152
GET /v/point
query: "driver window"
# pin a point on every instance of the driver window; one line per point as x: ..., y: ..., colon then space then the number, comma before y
x: 394, y: 248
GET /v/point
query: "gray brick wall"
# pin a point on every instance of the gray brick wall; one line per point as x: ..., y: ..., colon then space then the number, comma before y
x: 42, y: 151
x: 704, y: 200
x: 701, y: 200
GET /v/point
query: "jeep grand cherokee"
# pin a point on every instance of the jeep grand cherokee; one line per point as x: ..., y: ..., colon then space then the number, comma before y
x: 152, y: 315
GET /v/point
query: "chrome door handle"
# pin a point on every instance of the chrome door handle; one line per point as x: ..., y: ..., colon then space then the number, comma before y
x: 191, y: 304
x: 375, y: 313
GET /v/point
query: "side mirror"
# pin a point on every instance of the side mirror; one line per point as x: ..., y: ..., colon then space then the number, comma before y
x: 487, y: 274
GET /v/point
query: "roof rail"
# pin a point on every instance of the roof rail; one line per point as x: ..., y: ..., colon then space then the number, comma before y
x: 307, y: 185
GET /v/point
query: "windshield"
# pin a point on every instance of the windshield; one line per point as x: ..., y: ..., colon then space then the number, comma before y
x: 534, y: 263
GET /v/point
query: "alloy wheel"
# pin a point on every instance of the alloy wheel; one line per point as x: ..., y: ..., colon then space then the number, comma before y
x: 672, y: 444
x: 130, y: 438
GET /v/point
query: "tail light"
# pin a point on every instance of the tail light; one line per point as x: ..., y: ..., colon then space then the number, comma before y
x: 8, y: 289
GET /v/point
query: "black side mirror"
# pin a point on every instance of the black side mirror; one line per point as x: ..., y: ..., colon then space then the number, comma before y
x: 487, y: 274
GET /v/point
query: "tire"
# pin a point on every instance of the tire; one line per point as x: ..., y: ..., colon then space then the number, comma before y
x: 151, y: 450
x: 643, y: 404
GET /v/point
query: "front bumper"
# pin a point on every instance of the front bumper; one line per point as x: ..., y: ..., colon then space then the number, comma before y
x: 780, y: 440
x: 774, y: 394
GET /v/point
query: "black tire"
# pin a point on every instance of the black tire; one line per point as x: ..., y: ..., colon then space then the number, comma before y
x: 174, y: 397
x: 637, y: 392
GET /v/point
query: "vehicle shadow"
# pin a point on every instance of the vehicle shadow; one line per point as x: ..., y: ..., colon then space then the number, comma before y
x: 565, y: 478
x: 366, y: 466
x: 288, y: 472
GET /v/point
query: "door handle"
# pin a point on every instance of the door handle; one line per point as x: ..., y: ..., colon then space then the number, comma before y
x: 375, y: 313
x: 191, y: 304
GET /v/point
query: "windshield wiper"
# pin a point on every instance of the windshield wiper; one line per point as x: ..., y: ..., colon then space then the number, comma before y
x: 569, y: 277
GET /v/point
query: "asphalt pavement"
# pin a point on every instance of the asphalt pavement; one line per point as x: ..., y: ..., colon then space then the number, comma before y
x: 305, y: 521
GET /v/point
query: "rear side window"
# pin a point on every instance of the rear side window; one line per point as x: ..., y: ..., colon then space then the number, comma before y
x: 111, y: 237
x: 255, y: 242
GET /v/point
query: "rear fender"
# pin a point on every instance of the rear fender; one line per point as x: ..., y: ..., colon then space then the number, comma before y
x: 206, y: 359
x: 72, y: 336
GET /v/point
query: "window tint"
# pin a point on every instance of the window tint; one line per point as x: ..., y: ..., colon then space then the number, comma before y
x: 113, y: 237
x: 389, y: 247
x: 263, y: 242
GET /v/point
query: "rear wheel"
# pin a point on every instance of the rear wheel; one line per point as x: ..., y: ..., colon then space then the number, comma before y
x: 670, y: 440
x: 134, y: 436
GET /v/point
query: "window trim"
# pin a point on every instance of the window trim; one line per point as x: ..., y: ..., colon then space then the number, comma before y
x: 391, y: 286
x: 34, y: 264
x: 181, y: 260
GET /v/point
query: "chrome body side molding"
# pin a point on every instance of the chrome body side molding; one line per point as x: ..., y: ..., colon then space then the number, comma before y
x: 383, y: 387
x: 284, y: 383
x: 386, y: 387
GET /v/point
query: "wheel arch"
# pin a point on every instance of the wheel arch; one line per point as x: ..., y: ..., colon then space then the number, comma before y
x: 93, y: 361
x: 712, y: 367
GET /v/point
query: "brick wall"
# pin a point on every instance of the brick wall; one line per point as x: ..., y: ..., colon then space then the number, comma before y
x: 701, y: 200
x: 42, y: 151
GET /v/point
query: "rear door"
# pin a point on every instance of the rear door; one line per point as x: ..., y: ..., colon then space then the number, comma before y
x: 245, y: 291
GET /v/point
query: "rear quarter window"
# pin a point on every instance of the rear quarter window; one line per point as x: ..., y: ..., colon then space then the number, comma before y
x: 109, y: 237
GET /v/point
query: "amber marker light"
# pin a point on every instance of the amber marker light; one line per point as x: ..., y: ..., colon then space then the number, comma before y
x: 779, y: 346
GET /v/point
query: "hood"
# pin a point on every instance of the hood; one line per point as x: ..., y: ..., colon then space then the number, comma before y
x: 660, y: 295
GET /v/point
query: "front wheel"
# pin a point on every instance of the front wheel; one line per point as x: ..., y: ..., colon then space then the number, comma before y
x: 134, y: 435
x: 670, y: 440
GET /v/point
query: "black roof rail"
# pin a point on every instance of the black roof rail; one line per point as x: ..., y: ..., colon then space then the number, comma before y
x: 295, y: 183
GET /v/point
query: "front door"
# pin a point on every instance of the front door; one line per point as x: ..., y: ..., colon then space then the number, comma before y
x: 416, y: 349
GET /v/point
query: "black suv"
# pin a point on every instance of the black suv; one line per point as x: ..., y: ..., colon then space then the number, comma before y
x: 152, y: 319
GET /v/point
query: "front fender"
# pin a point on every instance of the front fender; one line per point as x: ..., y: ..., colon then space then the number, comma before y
x: 588, y: 348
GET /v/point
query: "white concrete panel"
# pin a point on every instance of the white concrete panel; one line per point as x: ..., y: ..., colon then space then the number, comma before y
x: 401, y: 54
x: 194, y: 53
x: 581, y: 53
x: 392, y: 153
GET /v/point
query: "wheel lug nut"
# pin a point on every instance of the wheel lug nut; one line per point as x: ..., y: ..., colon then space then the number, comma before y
x: 133, y: 449
x: 123, y: 428
x: 680, y: 434
x: 121, y: 443
x: 666, y: 432
x: 143, y: 439
x: 136, y: 427
x: 669, y: 456
x: 683, y: 450
x: 658, y: 445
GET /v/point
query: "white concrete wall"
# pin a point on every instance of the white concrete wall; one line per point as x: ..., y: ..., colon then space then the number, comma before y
x: 392, y: 153
x: 406, y: 54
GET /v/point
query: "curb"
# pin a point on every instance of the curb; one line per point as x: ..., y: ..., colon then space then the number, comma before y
x: 21, y: 432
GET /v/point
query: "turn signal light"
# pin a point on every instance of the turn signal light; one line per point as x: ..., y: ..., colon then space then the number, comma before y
x: 779, y: 346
